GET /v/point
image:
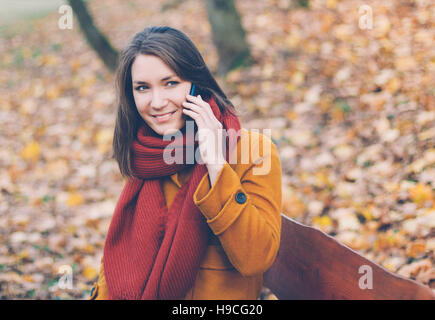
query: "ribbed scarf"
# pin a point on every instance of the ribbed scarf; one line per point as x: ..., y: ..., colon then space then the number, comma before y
x: 152, y: 252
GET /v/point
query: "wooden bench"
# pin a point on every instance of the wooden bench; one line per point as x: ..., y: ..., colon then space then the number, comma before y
x: 311, y: 265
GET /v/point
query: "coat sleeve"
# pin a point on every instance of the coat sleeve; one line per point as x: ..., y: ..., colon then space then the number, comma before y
x: 243, y: 207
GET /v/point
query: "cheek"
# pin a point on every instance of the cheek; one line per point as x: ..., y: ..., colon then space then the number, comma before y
x: 141, y: 104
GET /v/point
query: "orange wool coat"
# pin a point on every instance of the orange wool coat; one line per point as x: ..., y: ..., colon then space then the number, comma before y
x: 244, y: 237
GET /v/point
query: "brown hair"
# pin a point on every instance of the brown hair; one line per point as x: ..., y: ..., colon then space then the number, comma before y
x: 182, y: 56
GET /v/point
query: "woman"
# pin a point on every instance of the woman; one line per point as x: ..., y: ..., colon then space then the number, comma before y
x: 205, y: 228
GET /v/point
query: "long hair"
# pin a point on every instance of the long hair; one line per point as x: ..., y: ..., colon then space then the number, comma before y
x: 181, y: 55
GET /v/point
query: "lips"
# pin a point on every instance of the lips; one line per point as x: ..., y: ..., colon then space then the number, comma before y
x: 163, y: 114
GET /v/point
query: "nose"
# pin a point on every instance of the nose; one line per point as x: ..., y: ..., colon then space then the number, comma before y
x: 158, y: 99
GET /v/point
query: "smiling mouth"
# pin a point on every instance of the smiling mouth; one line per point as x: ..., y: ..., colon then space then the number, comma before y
x: 164, y: 115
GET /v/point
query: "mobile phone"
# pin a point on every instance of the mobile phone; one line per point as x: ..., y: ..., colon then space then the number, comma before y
x: 192, y: 89
x: 192, y: 92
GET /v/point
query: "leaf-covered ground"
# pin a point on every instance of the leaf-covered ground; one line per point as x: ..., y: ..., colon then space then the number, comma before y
x: 352, y: 111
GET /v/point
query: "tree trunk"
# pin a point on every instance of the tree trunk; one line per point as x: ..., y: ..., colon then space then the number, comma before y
x: 94, y: 37
x: 304, y: 3
x: 228, y: 35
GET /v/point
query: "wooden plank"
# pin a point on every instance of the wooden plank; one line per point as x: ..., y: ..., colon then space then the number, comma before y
x: 312, y: 265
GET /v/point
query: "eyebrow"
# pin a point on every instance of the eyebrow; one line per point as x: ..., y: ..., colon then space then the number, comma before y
x: 163, y: 79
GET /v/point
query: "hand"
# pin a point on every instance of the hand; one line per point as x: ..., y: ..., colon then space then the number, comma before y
x: 210, y: 134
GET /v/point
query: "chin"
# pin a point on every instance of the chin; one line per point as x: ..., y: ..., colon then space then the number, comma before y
x: 168, y: 129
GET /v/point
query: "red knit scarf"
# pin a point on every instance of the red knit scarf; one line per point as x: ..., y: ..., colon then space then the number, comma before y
x: 152, y: 252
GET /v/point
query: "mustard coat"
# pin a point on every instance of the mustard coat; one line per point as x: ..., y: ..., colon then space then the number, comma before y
x: 242, y: 210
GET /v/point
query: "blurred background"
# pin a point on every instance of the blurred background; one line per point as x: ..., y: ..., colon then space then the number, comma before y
x: 347, y: 88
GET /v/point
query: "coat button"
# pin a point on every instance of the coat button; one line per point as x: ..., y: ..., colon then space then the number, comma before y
x: 240, y: 197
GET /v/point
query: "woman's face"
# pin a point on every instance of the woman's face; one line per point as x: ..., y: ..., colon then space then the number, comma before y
x: 158, y: 93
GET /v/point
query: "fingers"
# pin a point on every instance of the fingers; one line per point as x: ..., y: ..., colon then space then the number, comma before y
x: 201, y: 110
x: 204, y: 105
x: 193, y: 107
x: 195, y: 116
x: 209, y: 128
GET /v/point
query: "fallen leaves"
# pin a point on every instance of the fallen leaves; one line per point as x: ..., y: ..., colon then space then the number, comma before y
x: 31, y: 151
x: 74, y: 199
x: 421, y: 194
x: 414, y: 269
x: 90, y: 273
x: 416, y: 249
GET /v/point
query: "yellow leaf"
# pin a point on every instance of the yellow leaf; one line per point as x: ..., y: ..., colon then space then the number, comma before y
x: 325, y: 104
x: 426, y: 135
x: 291, y: 115
x: 386, y: 241
x: 413, y: 269
x: 331, y: 4
x: 23, y: 255
x: 337, y: 114
x: 74, y: 199
x: 343, y: 31
x: 429, y: 156
x: 28, y: 278
x: 382, y: 25
x: 353, y: 239
x: 406, y: 63
x: 322, y: 179
x: 248, y: 90
x: 328, y: 20
x: 298, y: 78
x: 75, y: 64
x: 322, y: 221
x: 89, y: 81
x: 421, y: 193
x: 71, y: 229
x: 31, y: 151
x: 367, y: 213
x: 104, y: 138
x: 290, y: 87
x: 416, y: 249
x: 393, y: 263
x: 84, y: 91
x: 293, y: 206
x: 89, y: 273
x: 89, y: 248
x: 267, y: 70
x: 234, y: 76
x: 293, y: 39
x: 343, y: 151
x: 393, y: 85
x: 48, y: 60
x: 53, y: 92
x: 417, y: 166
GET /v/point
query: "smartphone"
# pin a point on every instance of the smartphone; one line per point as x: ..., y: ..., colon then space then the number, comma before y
x: 192, y: 89
x: 192, y: 92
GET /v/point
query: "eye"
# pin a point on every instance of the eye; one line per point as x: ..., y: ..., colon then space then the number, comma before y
x: 174, y: 83
x: 138, y: 88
